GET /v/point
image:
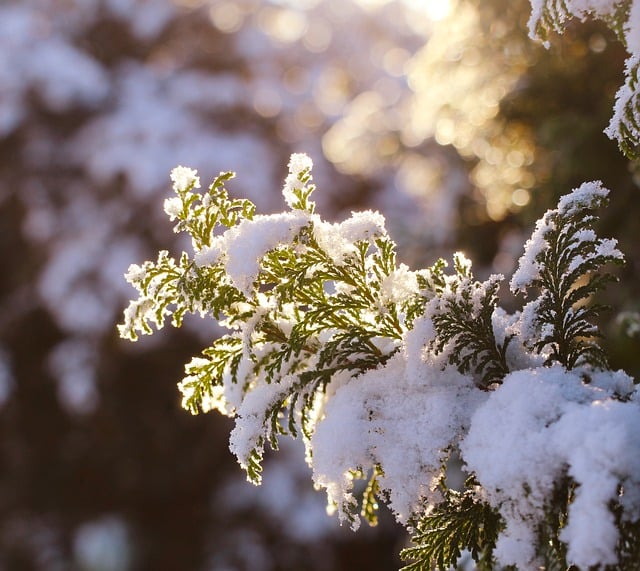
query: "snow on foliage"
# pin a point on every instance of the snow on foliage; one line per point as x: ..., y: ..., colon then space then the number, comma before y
x: 151, y: 116
x: 624, y: 17
x: 388, y: 373
x: 543, y: 425
x: 405, y: 425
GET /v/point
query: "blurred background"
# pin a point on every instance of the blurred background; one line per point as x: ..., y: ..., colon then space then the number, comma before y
x: 441, y: 114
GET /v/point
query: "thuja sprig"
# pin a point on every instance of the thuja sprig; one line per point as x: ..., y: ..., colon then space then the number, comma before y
x: 564, y: 264
x: 625, y: 124
x: 628, y: 547
x: 461, y: 521
x: 462, y: 314
x: 308, y: 302
x: 199, y: 214
x: 552, y: 15
x: 170, y: 288
x: 326, y: 318
x: 309, y: 306
x: 369, y: 502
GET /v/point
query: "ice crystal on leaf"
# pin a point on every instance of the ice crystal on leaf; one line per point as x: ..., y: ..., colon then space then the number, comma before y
x: 184, y: 179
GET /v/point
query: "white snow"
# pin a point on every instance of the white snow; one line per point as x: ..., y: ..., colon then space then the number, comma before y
x: 399, y: 286
x: 242, y: 247
x: 250, y: 416
x: 184, y: 178
x: 541, y: 424
x: 538, y: 426
x: 299, y: 164
x: 399, y: 416
x: 625, y: 106
x: 586, y: 196
x: 521, y: 439
x: 574, y: 8
x: 337, y: 240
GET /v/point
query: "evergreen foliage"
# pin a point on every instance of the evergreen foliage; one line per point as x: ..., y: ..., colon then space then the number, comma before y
x: 564, y: 263
x: 552, y: 15
x: 307, y: 316
x: 325, y: 303
x: 460, y: 522
x: 625, y: 125
x: 330, y: 338
x: 463, y: 320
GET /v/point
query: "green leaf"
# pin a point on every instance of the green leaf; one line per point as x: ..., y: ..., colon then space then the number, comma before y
x: 572, y: 261
x: 460, y: 522
x: 463, y: 318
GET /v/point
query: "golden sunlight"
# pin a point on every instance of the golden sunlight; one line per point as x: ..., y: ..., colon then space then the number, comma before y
x: 435, y: 10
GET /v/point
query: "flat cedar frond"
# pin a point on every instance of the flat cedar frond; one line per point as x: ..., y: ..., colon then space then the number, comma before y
x: 460, y: 522
x: 254, y: 464
x: 369, y: 498
x: 625, y: 123
x: 431, y: 282
x: 564, y: 262
x: 202, y: 373
x: 369, y: 509
x: 462, y: 316
x: 552, y: 15
x: 628, y: 543
x: 618, y: 18
x: 198, y: 215
x: 305, y: 300
x: 554, y: 551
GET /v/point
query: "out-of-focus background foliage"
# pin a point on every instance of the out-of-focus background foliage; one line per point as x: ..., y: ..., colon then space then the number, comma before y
x: 442, y: 114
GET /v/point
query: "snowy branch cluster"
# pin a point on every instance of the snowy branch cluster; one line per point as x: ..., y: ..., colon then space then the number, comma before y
x: 387, y: 373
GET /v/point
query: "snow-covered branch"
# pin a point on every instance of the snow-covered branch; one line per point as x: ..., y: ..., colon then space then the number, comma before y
x: 623, y: 16
x: 387, y: 373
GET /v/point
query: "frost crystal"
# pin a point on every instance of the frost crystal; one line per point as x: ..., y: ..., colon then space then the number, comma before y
x: 184, y: 178
x: 299, y: 165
